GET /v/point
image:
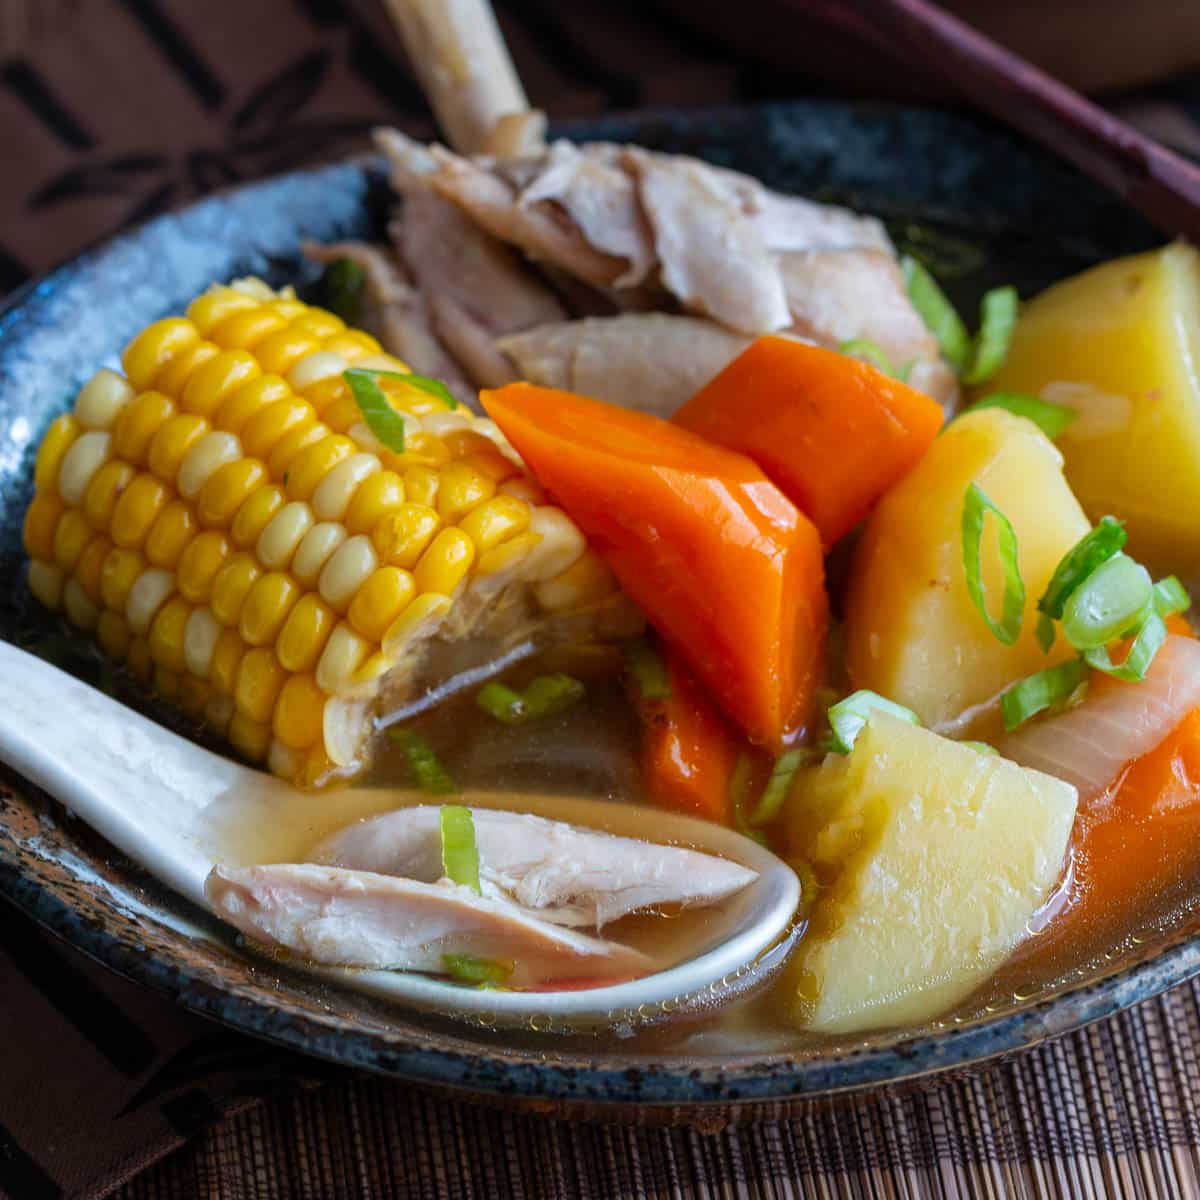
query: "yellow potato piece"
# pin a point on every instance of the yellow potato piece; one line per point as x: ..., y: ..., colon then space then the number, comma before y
x: 1121, y: 343
x: 935, y: 857
x: 912, y: 631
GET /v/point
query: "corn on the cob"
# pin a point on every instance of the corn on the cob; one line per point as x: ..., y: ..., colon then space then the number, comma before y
x: 224, y: 521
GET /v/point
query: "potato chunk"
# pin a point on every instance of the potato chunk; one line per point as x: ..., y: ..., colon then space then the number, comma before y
x: 1121, y: 343
x: 912, y: 632
x: 935, y: 856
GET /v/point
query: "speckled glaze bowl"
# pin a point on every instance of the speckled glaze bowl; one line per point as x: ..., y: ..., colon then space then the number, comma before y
x: 987, y: 207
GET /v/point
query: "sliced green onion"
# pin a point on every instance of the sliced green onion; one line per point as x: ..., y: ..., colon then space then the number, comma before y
x: 870, y: 352
x: 976, y: 506
x: 426, y: 767
x: 544, y: 697
x: 1146, y: 644
x: 1112, y: 600
x: 1094, y: 548
x: 1051, y: 419
x: 998, y: 317
x: 1036, y: 693
x: 381, y: 418
x: 460, y: 855
x: 343, y: 285
x: 982, y: 748
x: 482, y: 972
x: 1045, y: 632
x: 649, y: 671
x: 776, y: 792
x: 1170, y: 596
x: 937, y: 312
x: 849, y: 717
x: 739, y: 797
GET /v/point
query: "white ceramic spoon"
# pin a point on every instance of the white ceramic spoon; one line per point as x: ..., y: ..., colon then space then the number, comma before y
x: 177, y: 809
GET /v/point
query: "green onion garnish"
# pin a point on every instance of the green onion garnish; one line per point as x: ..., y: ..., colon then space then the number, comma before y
x: 482, y: 972
x: 778, y: 786
x: 343, y: 285
x: 1038, y: 692
x: 460, y: 855
x: 982, y: 748
x: 1051, y: 419
x: 381, y: 418
x: 937, y: 312
x: 739, y: 795
x: 431, y: 387
x: 649, y: 671
x: 1093, y: 549
x: 1170, y: 596
x: 849, y: 717
x: 870, y: 352
x: 1045, y: 632
x: 544, y: 697
x: 1146, y: 644
x: 976, y: 506
x: 426, y: 767
x: 1112, y: 600
x: 998, y: 317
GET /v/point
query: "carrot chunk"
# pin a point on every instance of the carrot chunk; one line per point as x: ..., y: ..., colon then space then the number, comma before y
x: 720, y: 561
x: 832, y: 432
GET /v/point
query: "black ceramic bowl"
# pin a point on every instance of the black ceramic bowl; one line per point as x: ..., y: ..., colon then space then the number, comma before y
x: 986, y: 207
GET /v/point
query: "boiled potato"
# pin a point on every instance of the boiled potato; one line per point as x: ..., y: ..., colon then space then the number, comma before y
x: 912, y: 632
x: 1121, y: 344
x: 934, y: 857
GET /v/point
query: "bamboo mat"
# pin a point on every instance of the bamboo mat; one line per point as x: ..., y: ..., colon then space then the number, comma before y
x: 106, y: 1090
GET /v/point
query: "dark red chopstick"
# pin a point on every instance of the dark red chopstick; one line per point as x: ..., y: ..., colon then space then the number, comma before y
x: 1162, y: 185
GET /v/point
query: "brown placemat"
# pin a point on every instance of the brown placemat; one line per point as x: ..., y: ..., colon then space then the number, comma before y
x: 112, y: 110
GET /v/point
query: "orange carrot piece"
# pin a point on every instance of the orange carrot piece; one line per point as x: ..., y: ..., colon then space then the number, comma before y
x: 832, y: 432
x: 720, y: 561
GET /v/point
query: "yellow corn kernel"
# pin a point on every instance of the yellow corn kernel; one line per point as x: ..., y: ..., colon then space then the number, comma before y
x: 388, y: 362
x: 227, y: 489
x: 449, y: 425
x: 200, y: 563
x: 171, y: 443
x: 213, y: 451
x: 249, y: 400
x: 335, y: 492
x: 165, y: 683
x: 401, y: 537
x: 255, y: 514
x: 310, y: 466
x: 113, y: 634
x: 316, y: 767
x: 351, y: 344
x: 269, y: 426
x: 561, y: 543
x: 259, y: 679
x: 250, y: 738
x: 137, y: 509
x: 231, y: 586
x: 420, y: 450
x: 170, y: 535
x: 70, y: 537
x: 138, y: 659
x: 154, y: 347
x: 346, y: 571
x: 104, y: 491
x: 586, y: 581
x: 46, y: 582
x: 173, y: 378
x: 121, y: 570
x: 507, y: 555
x: 149, y: 593
x: 214, y: 305
x: 210, y: 384
x: 461, y: 489
x: 313, y: 368
x: 327, y: 391
x: 495, y: 521
x: 375, y: 666
x: 493, y: 464
x: 523, y: 488
x: 80, y: 611
x: 58, y: 439
x: 315, y: 550
x: 193, y: 696
x: 463, y: 441
x: 299, y: 713
x: 137, y: 424
x: 378, y: 495
x: 344, y: 653
x: 41, y: 520
x: 421, y: 485
x: 282, y: 534
x: 319, y: 322
x: 226, y: 659
x: 267, y: 606
x: 89, y: 566
x: 305, y: 633
x: 280, y: 351
x: 380, y: 600
x: 292, y: 444
x: 244, y: 330
x: 167, y: 633
x: 445, y: 563
x: 101, y: 399
x: 339, y: 415
x: 282, y: 761
x: 200, y: 641
x: 88, y: 453
x: 422, y: 616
